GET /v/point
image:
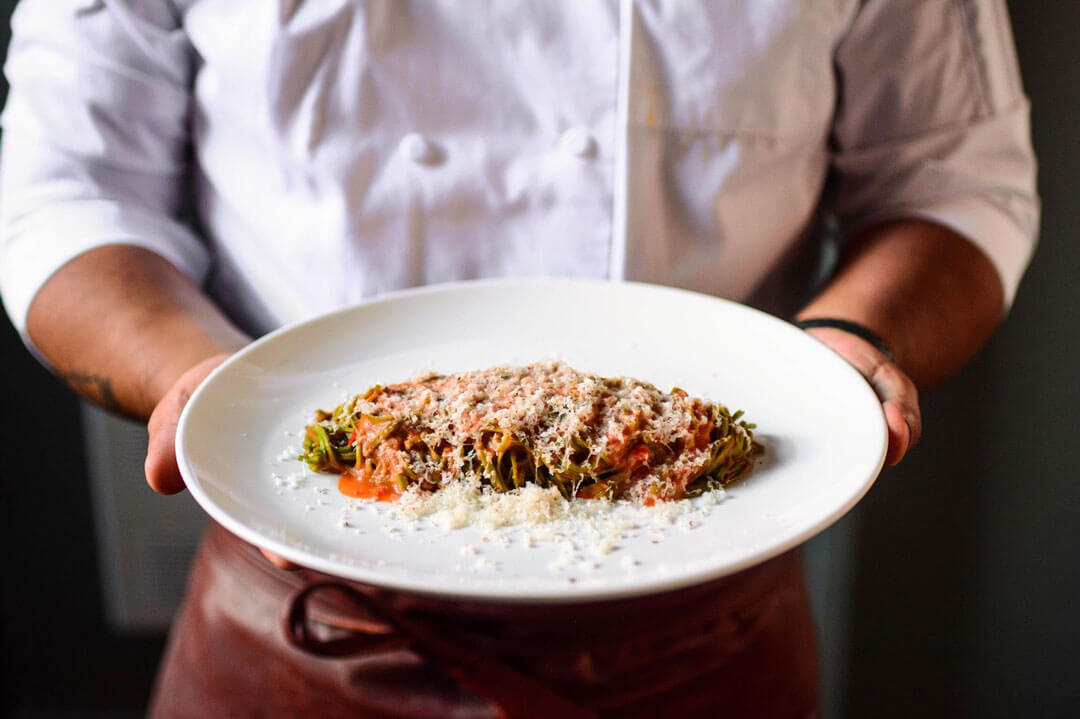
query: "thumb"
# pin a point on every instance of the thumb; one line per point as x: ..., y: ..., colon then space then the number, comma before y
x: 162, y: 474
x: 898, y: 394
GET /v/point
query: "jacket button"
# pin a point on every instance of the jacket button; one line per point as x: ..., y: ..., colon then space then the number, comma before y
x: 578, y: 142
x: 418, y: 148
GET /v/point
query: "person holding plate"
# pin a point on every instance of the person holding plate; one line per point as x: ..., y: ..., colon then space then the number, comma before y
x: 181, y: 176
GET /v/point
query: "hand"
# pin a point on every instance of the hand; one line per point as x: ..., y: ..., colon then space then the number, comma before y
x: 899, y: 398
x: 162, y: 473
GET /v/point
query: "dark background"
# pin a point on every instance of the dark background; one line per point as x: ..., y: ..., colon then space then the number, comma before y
x: 963, y: 562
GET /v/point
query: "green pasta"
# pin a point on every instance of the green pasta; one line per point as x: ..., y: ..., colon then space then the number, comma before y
x: 409, y: 435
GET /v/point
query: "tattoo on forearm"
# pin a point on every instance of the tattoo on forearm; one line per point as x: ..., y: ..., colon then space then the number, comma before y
x: 94, y: 387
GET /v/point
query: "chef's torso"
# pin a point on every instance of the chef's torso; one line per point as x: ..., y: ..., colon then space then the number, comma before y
x: 345, y: 149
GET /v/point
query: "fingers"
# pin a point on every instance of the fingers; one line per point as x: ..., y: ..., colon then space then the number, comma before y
x: 280, y: 562
x: 899, y: 434
x: 162, y: 474
x: 900, y: 402
x: 898, y: 394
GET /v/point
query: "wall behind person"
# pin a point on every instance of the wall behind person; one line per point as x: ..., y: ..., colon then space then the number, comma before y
x: 966, y: 575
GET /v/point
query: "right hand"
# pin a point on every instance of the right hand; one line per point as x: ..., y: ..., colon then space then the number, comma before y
x: 162, y: 473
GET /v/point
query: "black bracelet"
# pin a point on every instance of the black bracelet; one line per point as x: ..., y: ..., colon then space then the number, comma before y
x: 848, y: 326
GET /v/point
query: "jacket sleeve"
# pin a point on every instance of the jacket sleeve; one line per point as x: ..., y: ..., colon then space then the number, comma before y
x: 932, y: 122
x: 95, y: 135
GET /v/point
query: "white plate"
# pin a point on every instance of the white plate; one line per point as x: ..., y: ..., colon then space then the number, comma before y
x: 822, y: 426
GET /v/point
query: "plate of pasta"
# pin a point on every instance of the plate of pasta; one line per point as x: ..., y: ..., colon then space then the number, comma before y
x: 532, y: 441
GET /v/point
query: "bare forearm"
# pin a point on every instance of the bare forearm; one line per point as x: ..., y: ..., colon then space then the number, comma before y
x: 120, y: 325
x: 930, y: 293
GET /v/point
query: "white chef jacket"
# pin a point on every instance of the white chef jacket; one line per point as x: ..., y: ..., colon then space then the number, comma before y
x: 335, y: 150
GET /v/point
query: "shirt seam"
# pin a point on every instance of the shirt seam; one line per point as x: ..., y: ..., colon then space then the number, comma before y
x: 671, y: 127
x: 966, y: 19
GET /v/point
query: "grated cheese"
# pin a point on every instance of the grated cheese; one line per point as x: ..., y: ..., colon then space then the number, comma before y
x: 543, y: 513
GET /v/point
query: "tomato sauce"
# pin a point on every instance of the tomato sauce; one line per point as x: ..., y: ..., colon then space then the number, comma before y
x: 360, y: 485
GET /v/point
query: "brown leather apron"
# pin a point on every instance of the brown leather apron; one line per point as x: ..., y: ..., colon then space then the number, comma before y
x: 255, y: 641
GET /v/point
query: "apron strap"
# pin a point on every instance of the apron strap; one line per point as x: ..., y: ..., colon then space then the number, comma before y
x: 511, y: 693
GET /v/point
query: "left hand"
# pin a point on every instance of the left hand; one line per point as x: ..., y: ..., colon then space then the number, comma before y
x: 899, y: 398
